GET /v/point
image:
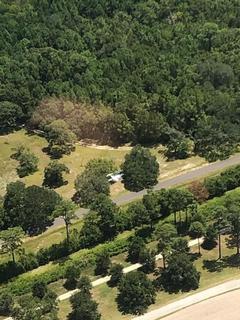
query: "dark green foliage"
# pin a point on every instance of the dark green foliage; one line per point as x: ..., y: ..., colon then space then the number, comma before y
x: 61, y: 139
x: 165, y: 233
x: 39, y: 204
x: 49, y: 305
x: 103, y: 263
x: 180, y: 274
x: 152, y: 205
x: 11, y: 240
x: 53, y: 174
x: 86, y: 258
x: 13, y: 201
x: 72, y: 274
x: 93, y: 181
x: 178, y: 199
x: 116, y: 273
x: 84, y: 308
x: 107, y: 211
x: 35, y: 308
x: 136, y: 247
x: 147, y: 258
x: 234, y: 220
x: 6, y: 304
x: 210, y: 237
x: 28, y: 261
x: 180, y: 245
x: 90, y: 233
x: 178, y: 146
x: 220, y: 218
x: 138, y: 213
x: 136, y: 293
x: 226, y: 180
x: 140, y: 169
x: 31, y: 207
x: 28, y: 162
x: 84, y: 285
x: 10, y: 116
x: 110, y: 52
x: 39, y: 289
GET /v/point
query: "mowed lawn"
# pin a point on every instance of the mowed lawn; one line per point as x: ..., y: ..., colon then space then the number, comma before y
x: 77, y: 161
x: 210, y: 276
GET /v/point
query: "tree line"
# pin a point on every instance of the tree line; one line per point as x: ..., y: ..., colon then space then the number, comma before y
x: 105, y: 219
x: 145, y: 71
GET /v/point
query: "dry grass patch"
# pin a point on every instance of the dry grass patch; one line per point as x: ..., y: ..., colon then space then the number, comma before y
x: 77, y: 161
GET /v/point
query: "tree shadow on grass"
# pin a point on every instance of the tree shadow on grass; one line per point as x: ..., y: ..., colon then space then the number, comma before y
x: 194, y: 256
x: 214, y: 265
x: 144, y: 232
x: 232, y: 261
x: 209, y: 245
x: 218, y: 265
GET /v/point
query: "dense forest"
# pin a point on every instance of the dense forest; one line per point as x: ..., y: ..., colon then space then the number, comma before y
x: 164, y: 71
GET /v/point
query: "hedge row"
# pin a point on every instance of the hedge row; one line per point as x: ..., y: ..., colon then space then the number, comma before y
x: 87, y: 257
x: 226, y: 200
x: 216, y: 186
x: 225, y: 181
x: 84, y: 258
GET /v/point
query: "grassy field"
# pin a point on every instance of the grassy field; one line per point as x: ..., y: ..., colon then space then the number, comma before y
x: 76, y: 161
x: 46, y: 239
x: 212, y: 271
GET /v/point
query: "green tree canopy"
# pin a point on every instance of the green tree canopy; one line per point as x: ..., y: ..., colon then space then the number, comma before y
x: 29, y: 207
x: 136, y: 293
x: 11, y: 240
x: 11, y: 116
x: 93, y: 181
x: 66, y: 210
x: 140, y: 169
x: 180, y: 274
x: 61, y: 139
x: 28, y: 162
x: 53, y: 174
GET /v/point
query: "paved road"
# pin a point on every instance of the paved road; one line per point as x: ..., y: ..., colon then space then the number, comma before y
x: 223, y: 307
x: 181, y: 179
x: 193, y: 300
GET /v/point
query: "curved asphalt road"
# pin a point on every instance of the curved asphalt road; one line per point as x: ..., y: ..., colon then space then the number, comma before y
x: 223, y: 307
x: 181, y: 179
x: 200, y: 302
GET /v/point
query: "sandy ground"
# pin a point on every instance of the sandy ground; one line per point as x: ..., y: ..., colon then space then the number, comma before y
x: 224, y: 307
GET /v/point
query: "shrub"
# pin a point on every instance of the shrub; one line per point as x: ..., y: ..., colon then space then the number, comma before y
x: 72, y: 274
x: 83, y: 258
x: 103, y: 263
x: 6, y: 304
x: 39, y: 289
x: 116, y: 273
x: 227, y: 180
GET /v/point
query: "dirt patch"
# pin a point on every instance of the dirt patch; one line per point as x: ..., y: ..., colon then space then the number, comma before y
x: 103, y: 147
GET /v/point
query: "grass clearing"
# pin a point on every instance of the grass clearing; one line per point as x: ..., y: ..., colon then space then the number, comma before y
x: 77, y: 161
x: 106, y: 296
x: 44, y: 240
